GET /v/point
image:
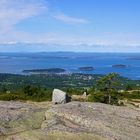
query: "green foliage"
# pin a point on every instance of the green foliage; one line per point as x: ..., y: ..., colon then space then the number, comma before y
x: 75, y: 91
x: 131, y: 95
x: 32, y: 93
x: 3, y: 89
x: 129, y: 87
x: 96, y: 97
x: 106, y: 90
x: 36, y: 93
x: 39, y: 87
x: 109, y: 86
x: 14, y: 82
x: 11, y: 96
x: 108, y: 83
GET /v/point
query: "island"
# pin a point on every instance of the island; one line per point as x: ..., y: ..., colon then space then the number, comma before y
x: 134, y: 58
x: 45, y: 71
x: 86, y: 68
x: 119, y: 66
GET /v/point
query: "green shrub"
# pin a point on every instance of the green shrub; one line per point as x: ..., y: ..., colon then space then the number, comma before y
x: 96, y: 97
x: 8, y: 97
x: 36, y: 93
x: 129, y: 87
x: 29, y: 93
x: 99, y: 96
x: 132, y: 95
x: 75, y: 91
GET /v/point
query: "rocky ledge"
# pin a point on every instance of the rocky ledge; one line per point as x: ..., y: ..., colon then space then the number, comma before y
x: 75, y: 120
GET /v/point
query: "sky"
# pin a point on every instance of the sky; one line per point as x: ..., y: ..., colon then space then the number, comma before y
x: 70, y: 25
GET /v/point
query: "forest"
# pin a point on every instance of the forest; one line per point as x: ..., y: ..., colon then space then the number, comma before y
x: 39, y: 87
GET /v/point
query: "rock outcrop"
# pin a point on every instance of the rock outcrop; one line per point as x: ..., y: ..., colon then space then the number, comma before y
x: 18, y: 117
x: 74, y: 120
x: 111, y: 122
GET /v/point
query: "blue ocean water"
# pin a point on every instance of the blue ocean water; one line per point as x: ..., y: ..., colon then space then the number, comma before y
x: 102, y: 62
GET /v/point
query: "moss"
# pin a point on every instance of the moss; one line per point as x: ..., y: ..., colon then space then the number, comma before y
x: 40, y: 135
x: 32, y: 122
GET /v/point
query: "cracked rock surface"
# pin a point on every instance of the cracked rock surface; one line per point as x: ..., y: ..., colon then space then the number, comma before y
x: 74, y: 120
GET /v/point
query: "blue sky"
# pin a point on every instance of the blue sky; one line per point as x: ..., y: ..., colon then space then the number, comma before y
x: 86, y: 25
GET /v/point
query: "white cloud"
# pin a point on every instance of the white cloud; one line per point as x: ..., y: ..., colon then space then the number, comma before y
x: 14, y: 11
x: 70, y: 20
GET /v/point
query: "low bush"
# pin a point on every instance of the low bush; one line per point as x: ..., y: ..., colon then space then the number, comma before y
x: 9, y: 97
x: 99, y: 96
x: 131, y: 95
x: 29, y: 93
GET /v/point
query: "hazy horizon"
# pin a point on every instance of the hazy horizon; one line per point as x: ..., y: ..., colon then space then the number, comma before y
x: 46, y: 47
x: 74, y: 25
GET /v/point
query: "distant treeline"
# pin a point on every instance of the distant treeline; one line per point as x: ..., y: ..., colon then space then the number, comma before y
x: 39, y: 87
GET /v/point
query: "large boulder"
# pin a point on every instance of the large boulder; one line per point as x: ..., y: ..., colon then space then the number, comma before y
x: 59, y: 97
